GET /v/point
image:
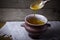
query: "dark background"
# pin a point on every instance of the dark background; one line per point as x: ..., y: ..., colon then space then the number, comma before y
x: 20, y: 7
x: 24, y: 4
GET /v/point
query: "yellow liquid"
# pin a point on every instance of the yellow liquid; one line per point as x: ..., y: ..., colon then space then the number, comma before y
x: 1, y: 24
x: 34, y: 20
x: 36, y: 7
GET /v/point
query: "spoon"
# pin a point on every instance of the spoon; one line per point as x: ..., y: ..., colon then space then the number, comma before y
x: 37, y: 5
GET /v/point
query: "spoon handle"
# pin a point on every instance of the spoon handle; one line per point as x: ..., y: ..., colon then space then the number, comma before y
x: 43, y: 2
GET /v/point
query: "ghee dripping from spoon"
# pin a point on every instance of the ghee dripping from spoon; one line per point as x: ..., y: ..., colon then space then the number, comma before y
x: 37, y: 6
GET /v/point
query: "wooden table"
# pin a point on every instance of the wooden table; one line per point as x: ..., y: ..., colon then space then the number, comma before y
x: 19, y: 33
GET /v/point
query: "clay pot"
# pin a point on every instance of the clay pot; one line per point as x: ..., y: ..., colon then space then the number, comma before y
x: 34, y: 31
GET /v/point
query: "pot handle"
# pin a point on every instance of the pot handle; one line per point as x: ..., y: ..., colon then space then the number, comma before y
x: 48, y: 24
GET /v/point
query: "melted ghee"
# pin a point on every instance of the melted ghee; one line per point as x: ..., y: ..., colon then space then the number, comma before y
x: 34, y: 20
x: 36, y: 7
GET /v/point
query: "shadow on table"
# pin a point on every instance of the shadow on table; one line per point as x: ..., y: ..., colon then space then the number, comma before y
x: 51, y: 35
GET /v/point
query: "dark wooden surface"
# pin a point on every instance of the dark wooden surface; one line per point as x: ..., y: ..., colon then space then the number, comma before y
x: 17, y: 32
